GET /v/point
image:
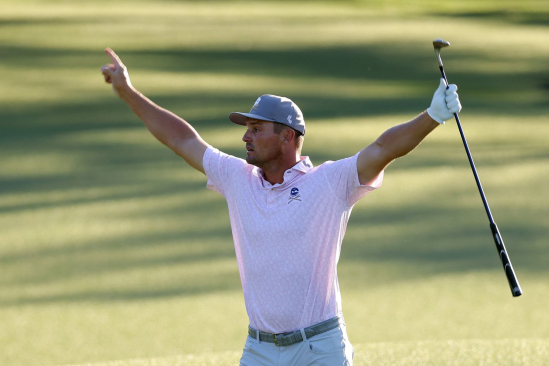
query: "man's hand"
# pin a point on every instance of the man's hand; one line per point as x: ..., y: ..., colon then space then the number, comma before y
x: 116, y: 74
x: 445, y: 103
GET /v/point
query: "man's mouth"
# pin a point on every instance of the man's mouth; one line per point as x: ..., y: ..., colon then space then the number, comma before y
x: 249, y: 148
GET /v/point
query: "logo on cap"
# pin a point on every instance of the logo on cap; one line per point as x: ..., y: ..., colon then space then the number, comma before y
x: 289, y: 118
x: 256, y: 104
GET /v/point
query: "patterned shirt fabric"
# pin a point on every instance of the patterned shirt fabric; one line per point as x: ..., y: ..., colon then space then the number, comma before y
x: 288, y: 236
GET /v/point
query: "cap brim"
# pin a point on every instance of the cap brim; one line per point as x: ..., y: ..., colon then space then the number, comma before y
x: 240, y: 118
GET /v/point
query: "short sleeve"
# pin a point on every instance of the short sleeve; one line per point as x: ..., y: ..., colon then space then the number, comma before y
x: 220, y: 168
x: 342, y: 176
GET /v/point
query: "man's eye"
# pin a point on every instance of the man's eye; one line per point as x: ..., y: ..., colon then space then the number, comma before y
x: 256, y: 129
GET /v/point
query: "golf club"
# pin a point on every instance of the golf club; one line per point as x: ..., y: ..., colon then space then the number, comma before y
x: 508, y: 268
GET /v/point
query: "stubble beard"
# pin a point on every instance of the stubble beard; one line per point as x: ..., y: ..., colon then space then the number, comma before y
x: 262, y: 162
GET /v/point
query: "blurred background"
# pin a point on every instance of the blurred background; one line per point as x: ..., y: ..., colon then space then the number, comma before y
x: 111, y: 248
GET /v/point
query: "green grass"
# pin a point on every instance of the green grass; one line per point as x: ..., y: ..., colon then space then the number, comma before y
x: 470, y: 352
x: 112, y: 249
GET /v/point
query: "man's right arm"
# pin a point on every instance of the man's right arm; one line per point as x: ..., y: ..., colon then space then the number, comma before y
x: 171, y: 130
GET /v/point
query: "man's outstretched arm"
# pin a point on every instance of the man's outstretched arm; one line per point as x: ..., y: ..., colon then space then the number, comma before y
x: 171, y: 130
x: 401, y: 139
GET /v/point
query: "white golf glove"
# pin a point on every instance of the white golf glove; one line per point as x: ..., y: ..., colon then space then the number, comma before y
x: 445, y: 103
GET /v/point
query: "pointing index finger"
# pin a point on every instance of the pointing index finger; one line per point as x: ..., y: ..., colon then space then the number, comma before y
x: 114, y: 57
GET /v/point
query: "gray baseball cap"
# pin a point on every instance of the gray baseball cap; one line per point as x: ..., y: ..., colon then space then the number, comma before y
x: 273, y: 108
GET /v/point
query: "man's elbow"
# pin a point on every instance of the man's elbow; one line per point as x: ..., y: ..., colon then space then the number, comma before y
x: 390, y: 151
x: 386, y: 153
x: 191, y: 150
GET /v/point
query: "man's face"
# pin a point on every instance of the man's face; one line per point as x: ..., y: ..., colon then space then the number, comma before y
x: 262, y: 143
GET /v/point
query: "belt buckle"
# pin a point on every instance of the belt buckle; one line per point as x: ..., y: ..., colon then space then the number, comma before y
x: 274, y: 339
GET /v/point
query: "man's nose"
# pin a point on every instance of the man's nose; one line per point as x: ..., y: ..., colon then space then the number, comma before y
x: 246, y: 137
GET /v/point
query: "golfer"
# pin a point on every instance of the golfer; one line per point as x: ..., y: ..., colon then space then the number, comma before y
x: 288, y: 217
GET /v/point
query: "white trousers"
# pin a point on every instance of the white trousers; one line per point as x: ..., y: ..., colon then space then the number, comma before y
x: 331, y: 348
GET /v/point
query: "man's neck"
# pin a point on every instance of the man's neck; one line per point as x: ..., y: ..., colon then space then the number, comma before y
x: 274, y: 172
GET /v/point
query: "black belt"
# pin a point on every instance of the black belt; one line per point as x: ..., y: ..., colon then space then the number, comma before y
x: 286, y: 339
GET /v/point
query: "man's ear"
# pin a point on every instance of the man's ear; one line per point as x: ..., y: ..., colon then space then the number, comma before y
x: 288, y: 134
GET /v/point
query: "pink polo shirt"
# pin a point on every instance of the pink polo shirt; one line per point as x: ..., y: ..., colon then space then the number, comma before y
x: 288, y: 236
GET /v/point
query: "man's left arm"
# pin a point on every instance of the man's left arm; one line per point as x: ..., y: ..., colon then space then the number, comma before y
x: 401, y: 139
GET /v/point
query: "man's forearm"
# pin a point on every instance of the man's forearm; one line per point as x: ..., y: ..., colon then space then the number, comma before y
x: 168, y: 128
x: 401, y: 139
x: 163, y: 124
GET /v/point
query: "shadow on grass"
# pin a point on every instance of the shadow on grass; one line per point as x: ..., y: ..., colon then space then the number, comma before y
x: 505, y: 16
x: 479, y: 90
x: 365, y: 63
x: 113, y: 166
x: 412, y: 243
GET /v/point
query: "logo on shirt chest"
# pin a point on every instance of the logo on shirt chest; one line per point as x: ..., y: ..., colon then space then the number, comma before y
x: 294, y: 195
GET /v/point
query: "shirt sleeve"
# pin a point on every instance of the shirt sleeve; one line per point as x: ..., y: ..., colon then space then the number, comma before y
x: 342, y: 176
x: 220, y: 169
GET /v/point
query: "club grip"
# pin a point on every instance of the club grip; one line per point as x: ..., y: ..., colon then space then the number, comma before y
x: 505, y: 261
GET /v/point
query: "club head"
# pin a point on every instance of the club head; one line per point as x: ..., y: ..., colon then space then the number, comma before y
x: 439, y: 43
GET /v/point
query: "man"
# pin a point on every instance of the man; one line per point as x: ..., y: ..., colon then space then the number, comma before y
x: 288, y: 218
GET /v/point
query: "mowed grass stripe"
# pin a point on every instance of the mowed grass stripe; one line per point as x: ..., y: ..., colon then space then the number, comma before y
x: 524, y: 352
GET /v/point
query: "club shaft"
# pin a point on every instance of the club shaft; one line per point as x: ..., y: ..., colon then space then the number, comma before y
x: 471, y: 162
x: 498, y: 240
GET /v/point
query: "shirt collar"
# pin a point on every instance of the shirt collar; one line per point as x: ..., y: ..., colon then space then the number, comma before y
x: 303, y: 166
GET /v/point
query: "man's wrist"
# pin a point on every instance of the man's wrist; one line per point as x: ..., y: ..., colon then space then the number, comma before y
x: 126, y: 92
x: 434, y: 117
